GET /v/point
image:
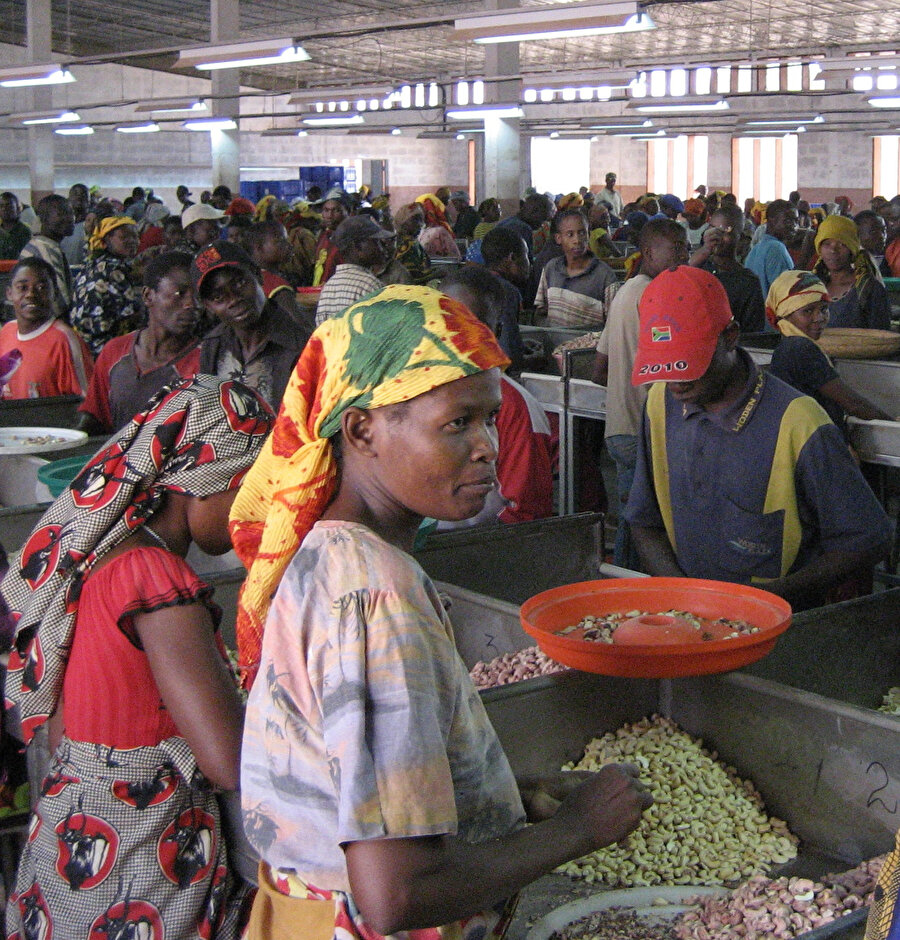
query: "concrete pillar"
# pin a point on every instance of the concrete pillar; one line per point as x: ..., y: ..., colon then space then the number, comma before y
x: 225, y: 146
x: 502, y: 154
x: 40, y: 139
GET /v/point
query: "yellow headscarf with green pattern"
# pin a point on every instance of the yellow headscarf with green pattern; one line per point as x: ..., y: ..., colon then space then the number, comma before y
x: 389, y: 348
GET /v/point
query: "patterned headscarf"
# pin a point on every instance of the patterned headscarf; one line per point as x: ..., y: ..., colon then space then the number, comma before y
x: 198, y: 438
x: 104, y: 227
x: 388, y: 348
x: 434, y: 211
x: 790, y: 291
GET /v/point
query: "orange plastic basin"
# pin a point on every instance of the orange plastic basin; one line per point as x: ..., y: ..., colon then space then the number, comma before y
x: 666, y: 654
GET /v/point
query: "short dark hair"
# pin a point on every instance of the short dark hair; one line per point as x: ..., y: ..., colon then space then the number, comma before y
x: 36, y: 264
x: 48, y: 204
x: 560, y: 217
x: 9, y: 195
x: 499, y: 243
x: 734, y: 214
x: 778, y: 207
x: 660, y: 228
x: 162, y: 265
x: 477, y: 279
x: 867, y: 215
x: 222, y: 190
x: 259, y: 231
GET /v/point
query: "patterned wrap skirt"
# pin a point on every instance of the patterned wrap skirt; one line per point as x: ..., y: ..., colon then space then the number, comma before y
x: 126, y: 845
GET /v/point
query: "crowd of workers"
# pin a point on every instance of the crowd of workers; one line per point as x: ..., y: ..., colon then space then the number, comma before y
x: 375, y: 792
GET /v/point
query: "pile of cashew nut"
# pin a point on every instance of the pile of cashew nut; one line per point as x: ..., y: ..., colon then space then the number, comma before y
x: 706, y: 826
x: 513, y: 667
x: 782, y: 908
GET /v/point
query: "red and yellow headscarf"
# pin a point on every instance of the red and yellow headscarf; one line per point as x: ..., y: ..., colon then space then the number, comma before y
x: 434, y: 211
x: 389, y: 348
x: 791, y: 291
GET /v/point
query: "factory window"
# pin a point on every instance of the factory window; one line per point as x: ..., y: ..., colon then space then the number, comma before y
x: 560, y: 166
x: 886, y: 166
x: 678, y: 165
x: 764, y: 168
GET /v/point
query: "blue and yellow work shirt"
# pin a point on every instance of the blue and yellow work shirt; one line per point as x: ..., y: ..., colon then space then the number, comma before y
x: 754, y: 492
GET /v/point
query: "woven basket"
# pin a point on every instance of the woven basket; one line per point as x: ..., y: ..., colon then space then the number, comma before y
x: 847, y: 342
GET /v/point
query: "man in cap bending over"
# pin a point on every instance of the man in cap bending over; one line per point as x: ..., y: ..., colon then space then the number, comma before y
x: 739, y: 477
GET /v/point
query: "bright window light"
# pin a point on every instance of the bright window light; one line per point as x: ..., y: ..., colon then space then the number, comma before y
x: 434, y: 95
x: 816, y: 81
x: 604, y: 92
x: 887, y: 150
x: 886, y: 81
x: 658, y: 83
x: 723, y: 79
x: 361, y: 105
x: 374, y: 104
x: 462, y: 93
x: 420, y: 96
x: 568, y: 94
x: 530, y: 95
x: 585, y: 94
x: 745, y: 79
x: 677, y: 82
x: 637, y: 88
x: 546, y: 94
x: 795, y: 76
x: 478, y: 92
x: 406, y: 97
x: 703, y: 80
x: 344, y: 106
x: 861, y: 82
x: 773, y: 77
x: 559, y: 165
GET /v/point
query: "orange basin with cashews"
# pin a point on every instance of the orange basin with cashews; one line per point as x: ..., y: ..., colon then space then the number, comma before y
x: 656, y: 645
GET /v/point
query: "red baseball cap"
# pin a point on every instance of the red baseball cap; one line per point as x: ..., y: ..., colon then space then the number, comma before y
x: 683, y: 311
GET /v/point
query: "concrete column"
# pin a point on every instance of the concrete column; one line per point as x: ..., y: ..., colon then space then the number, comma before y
x: 225, y: 146
x: 502, y: 152
x: 40, y: 139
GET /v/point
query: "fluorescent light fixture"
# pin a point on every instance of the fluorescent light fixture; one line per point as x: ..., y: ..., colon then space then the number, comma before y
x: 54, y: 117
x: 677, y: 105
x: 241, y: 54
x: 339, y: 93
x: 577, y: 80
x: 19, y: 76
x: 460, y: 136
x: 486, y: 111
x: 171, y: 106
x: 642, y: 135
x: 553, y: 22
x: 850, y: 63
x: 210, y: 124
x: 887, y: 101
x: 621, y: 125
x: 771, y: 131
x: 83, y: 130
x: 343, y: 120
x: 396, y: 132
x: 783, y: 122
x: 150, y: 127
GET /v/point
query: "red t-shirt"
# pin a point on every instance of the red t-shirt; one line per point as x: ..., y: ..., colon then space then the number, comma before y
x: 55, y: 361
x: 118, y: 391
x: 524, y: 463
x: 109, y: 691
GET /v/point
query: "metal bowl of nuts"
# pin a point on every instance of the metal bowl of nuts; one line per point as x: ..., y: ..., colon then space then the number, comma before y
x: 655, y: 628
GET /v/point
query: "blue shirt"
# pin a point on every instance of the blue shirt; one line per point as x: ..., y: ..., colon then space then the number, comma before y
x: 767, y: 259
x: 718, y: 469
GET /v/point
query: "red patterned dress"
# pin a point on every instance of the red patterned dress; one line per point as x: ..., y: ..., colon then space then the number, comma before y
x: 126, y: 839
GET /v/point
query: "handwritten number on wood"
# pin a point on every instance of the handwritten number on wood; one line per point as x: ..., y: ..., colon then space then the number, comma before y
x: 882, y: 774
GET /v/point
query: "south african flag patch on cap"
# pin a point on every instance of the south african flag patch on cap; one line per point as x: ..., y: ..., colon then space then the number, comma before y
x: 660, y: 334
